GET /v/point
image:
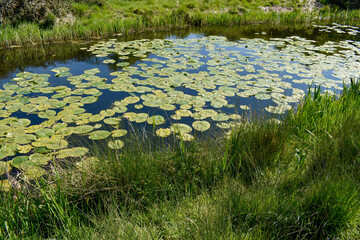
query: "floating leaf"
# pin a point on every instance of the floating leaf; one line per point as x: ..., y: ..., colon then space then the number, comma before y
x: 5, y: 185
x: 163, y: 132
x: 156, y: 120
x: 183, y: 113
x: 220, y: 117
x: 109, y: 61
x: 25, y: 148
x: 89, y: 99
x: 4, y: 167
x: 72, y: 152
x: 107, y: 112
x: 180, y: 128
x: 186, y: 137
x: 34, y: 172
x: 45, y: 132
x: 118, y: 133
x: 112, y: 121
x: 100, y: 134
x: 56, y: 144
x: 83, y: 129
x: 201, y: 125
x: 40, y: 159
x: 131, y: 100
x: 96, y: 118
x: 116, y: 144
x: 22, y: 162
x: 47, y: 114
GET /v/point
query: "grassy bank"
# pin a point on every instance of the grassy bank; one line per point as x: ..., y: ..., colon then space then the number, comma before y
x: 84, y: 19
x: 298, y: 179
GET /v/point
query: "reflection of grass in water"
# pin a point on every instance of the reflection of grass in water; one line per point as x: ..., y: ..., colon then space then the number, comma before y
x: 136, y: 16
x: 295, y: 179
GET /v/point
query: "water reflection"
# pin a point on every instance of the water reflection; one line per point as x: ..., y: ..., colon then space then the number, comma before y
x: 16, y: 60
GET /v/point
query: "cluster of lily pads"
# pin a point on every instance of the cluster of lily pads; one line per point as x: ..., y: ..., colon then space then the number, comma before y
x: 339, y: 28
x: 187, y: 79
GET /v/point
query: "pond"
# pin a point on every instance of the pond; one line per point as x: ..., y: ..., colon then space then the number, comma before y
x: 184, y: 83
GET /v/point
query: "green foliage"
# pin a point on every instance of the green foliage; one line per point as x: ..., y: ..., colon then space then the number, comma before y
x: 84, y: 18
x: 292, y: 180
x: 14, y: 12
x: 344, y: 4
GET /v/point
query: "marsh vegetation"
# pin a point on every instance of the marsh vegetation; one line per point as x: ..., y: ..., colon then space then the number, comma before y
x: 247, y: 132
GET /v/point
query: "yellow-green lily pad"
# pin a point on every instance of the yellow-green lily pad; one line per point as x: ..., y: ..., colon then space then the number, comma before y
x: 201, y: 125
x: 100, y: 134
x: 116, y: 144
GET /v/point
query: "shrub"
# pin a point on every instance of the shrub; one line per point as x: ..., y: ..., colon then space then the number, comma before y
x: 344, y: 4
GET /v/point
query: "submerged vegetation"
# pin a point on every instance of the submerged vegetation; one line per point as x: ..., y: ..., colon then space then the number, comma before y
x: 37, y: 21
x: 293, y: 179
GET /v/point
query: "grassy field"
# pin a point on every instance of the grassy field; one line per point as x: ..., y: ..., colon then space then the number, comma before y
x: 85, y: 19
x: 298, y: 179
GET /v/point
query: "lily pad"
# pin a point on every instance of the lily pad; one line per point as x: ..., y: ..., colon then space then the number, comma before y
x: 116, y: 144
x: 201, y: 125
x: 40, y: 159
x: 180, y: 128
x: 163, y: 132
x: 100, y: 134
x: 83, y: 129
x: 5, y: 185
x: 112, y: 121
x: 156, y: 120
x: 4, y: 167
x: 118, y: 133
x: 72, y: 152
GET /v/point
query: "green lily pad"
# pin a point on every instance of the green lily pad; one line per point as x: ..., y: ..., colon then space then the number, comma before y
x: 40, y: 159
x: 109, y: 61
x: 100, y: 134
x: 138, y: 106
x: 45, y: 132
x: 83, y: 129
x: 116, y: 144
x: 25, y: 148
x: 24, y: 138
x: 183, y: 113
x: 180, y: 128
x: 22, y: 122
x: 220, y: 117
x: 107, y: 112
x: 118, y: 133
x: 47, y: 114
x: 163, y: 132
x: 56, y: 144
x: 131, y: 100
x: 201, y: 125
x: 4, y: 167
x: 34, y: 172
x: 92, y: 71
x: 96, y: 118
x: 186, y: 137
x: 72, y: 152
x: 89, y: 99
x: 22, y: 162
x: 112, y: 121
x: 156, y: 120
x: 5, y: 185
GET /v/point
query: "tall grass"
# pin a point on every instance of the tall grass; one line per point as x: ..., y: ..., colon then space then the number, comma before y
x: 179, y: 16
x: 298, y: 179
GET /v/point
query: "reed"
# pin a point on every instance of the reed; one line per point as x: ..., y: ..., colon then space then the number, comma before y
x: 144, y: 15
